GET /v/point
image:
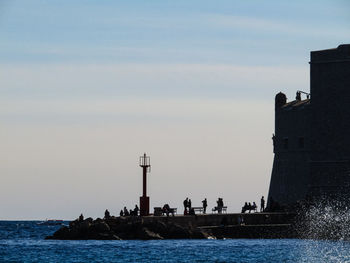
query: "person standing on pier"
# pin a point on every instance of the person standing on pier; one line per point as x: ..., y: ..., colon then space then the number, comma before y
x: 262, y: 204
x: 189, y: 204
x: 185, y: 205
x: 220, y: 205
x: 136, y: 210
x: 205, y: 204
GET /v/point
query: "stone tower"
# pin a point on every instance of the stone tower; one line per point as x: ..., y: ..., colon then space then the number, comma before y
x: 312, y: 135
x: 330, y: 89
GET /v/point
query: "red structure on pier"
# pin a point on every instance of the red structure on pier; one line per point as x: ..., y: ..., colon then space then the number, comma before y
x: 144, y: 199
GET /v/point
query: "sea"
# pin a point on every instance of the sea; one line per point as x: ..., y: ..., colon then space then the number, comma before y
x: 24, y: 241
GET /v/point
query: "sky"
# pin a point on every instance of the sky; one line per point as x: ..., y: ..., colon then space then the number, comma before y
x: 89, y: 86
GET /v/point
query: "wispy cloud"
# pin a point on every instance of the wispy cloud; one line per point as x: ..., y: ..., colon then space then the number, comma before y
x: 280, y: 26
x: 149, y: 80
x: 129, y: 109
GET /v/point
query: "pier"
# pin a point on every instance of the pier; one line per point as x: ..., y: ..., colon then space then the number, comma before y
x: 208, y: 220
x: 217, y: 226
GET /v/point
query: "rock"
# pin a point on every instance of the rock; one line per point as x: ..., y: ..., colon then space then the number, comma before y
x: 61, y: 233
x: 89, y: 219
x: 126, y: 228
x: 83, y: 226
x: 175, y: 231
x: 115, y: 237
x: 146, y: 234
x: 100, y: 227
x: 73, y: 223
x: 200, y: 234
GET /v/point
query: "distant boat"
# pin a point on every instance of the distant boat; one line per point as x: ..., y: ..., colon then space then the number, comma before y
x: 51, y: 222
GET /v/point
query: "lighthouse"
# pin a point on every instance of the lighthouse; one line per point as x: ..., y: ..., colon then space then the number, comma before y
x: 145, y: 164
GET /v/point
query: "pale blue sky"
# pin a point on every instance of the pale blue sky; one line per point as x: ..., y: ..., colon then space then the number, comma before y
x: 250, y: 32
x: 243, y: 33
x: 88, y: 86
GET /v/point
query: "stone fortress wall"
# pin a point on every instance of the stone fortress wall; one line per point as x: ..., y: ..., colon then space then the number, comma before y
x: 312, y: 135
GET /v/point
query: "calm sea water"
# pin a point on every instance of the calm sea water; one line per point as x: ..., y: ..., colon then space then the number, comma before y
x: 23, y: 241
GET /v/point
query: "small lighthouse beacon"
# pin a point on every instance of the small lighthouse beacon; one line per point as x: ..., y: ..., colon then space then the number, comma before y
x: 144, y: 199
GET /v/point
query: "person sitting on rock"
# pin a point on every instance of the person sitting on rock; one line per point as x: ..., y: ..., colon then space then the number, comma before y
x: 136, y: 210
x: 81, y: 218
x: 131, y: 212
x: 126, y: 212
x: 121, y: 213
x: 107, y: 214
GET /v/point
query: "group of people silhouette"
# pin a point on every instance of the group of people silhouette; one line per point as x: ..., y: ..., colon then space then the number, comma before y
x: 189, y: 210
x: 253, y: 207
x: 220, y: 205
x: 126, y: 212
x: 188, y: 206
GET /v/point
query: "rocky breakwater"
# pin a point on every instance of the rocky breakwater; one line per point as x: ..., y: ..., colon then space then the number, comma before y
x: 118, y: 228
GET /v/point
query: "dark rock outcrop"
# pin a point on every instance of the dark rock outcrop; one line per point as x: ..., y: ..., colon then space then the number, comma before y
x: 126, y: 228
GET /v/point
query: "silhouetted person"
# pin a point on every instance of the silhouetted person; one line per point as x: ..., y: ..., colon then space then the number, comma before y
x: 121, y: 213
x: 249, y: 207
x: 262, y: 204
x: 166, y: 209
x: 205, y: 204
x: 245, y: 207
x: 81, y: 217
x: 189, y: 204
x: 186, y: 202
x: 107, y: 214
x: 185, y: 205
x: 254, y: 207
x: 136, y: 210
x: 220, y: 205
x: 126, y: 212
